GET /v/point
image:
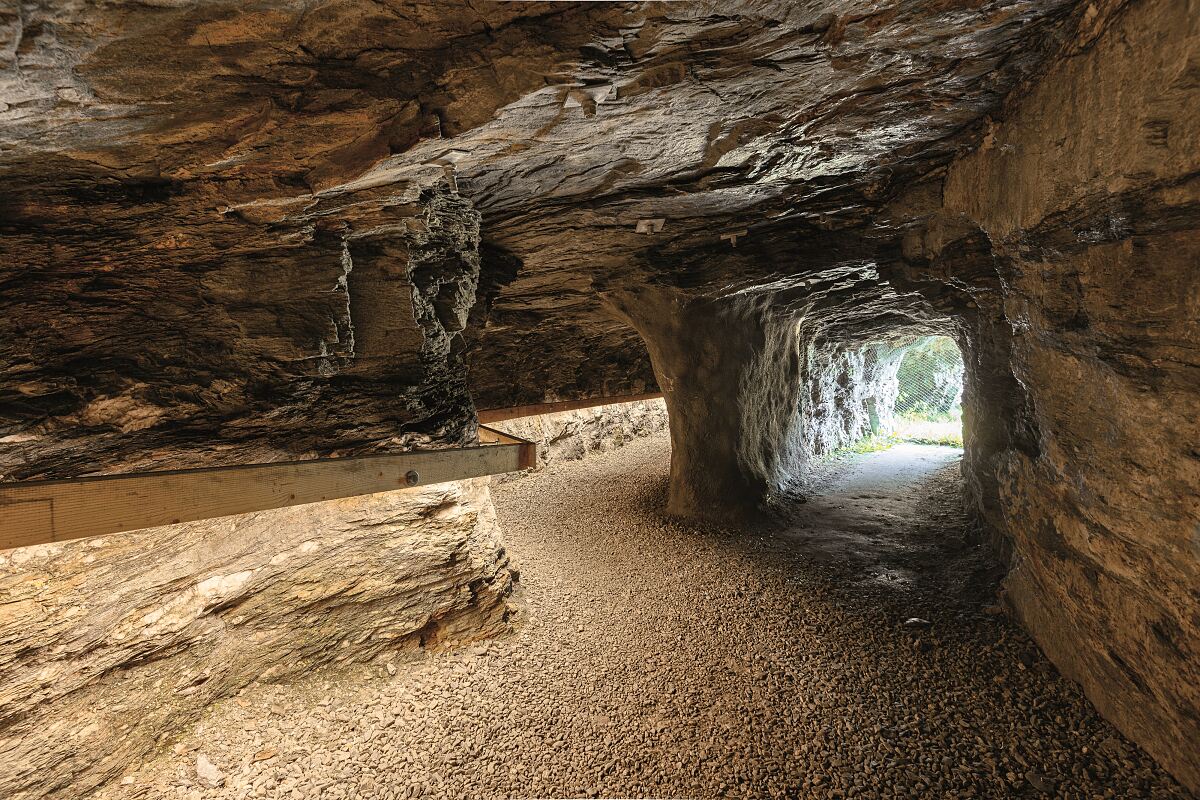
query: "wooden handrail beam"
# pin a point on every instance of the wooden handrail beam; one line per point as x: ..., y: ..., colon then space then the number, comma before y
x: 35, y: 512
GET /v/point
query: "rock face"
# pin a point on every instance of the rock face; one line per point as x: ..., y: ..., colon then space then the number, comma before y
x: 756, y: 133
x: 1090, y: 195
x: 234, y: 234
x: 110, y: 645
x: 323, y: 326
x: 569, y: 435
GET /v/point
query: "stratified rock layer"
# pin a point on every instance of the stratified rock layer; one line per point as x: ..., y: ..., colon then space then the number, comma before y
x: 201, y: 155
x: 109, y: 645
x: 324, y: 326
x: 1090, y: 195
x: 569, y: 435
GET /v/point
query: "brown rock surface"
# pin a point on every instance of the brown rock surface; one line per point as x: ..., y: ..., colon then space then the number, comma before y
x: 333, y: 328
x: 161, y: 159
x: 1090, y: 194
x: 108, y: 645
x: 235, y: 233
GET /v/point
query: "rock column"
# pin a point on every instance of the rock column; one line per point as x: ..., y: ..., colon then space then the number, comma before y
x: 730, y: 376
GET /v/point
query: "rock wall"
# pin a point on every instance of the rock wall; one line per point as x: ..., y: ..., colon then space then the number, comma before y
x: 109, y: 645
x: 140, y: 331
x: 705, y: 356
x: 755, y: 390
x: 569, y: 435
x: 850, y: 392
x: 1084, y: 361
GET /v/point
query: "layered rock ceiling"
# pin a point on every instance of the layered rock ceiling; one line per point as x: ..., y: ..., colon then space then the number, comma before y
x: 205, y: 204
x: 237, y: 232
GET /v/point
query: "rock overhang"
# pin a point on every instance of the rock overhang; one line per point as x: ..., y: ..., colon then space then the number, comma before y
x: 562, y: 123
x: 766, y: 149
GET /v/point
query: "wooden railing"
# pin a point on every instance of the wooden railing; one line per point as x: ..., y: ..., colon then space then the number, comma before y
x: 35, y: 512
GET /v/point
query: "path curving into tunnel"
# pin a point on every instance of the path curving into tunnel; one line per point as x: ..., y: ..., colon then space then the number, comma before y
x: 661, y: 658
x: 891, y: 515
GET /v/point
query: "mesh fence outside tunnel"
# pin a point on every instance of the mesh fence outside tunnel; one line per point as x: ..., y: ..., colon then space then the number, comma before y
x: 929, y: 399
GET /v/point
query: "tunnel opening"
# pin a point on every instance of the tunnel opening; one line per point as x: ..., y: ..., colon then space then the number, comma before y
x: 762, y: 388
x: 917, y: 394
x: 929, y: 382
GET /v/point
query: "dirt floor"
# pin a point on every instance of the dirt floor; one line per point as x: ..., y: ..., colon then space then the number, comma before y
x: 661, y: 659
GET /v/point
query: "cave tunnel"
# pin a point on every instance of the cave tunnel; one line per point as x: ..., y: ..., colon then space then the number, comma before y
x: 513, y: 399
x: 759, y: 386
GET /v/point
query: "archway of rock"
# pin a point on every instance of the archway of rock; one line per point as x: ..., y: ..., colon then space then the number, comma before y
x: 763, y: 385
x: 786, y: 410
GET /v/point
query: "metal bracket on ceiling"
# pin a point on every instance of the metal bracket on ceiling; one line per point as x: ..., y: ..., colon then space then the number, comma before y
x: 733, y: 236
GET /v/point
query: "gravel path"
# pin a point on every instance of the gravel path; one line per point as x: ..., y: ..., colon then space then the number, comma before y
x: 659, y: 659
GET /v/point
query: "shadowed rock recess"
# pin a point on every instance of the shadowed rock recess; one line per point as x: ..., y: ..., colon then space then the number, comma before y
x: 247, y: 232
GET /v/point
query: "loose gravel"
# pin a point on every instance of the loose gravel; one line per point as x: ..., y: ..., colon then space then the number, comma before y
x: 855, y: 651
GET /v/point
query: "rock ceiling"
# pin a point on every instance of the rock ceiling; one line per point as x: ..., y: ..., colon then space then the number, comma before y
x: 715, y: 147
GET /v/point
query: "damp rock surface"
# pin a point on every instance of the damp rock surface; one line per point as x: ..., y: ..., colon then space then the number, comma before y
x: 658, y: 658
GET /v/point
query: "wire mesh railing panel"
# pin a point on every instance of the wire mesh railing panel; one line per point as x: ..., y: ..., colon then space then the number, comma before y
x: 929, y: 401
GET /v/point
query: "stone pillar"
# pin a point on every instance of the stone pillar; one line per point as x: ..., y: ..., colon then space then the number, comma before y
x: 730, y: 373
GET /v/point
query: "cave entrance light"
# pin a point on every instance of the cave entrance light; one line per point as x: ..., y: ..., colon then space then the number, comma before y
x: 928, y: 407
